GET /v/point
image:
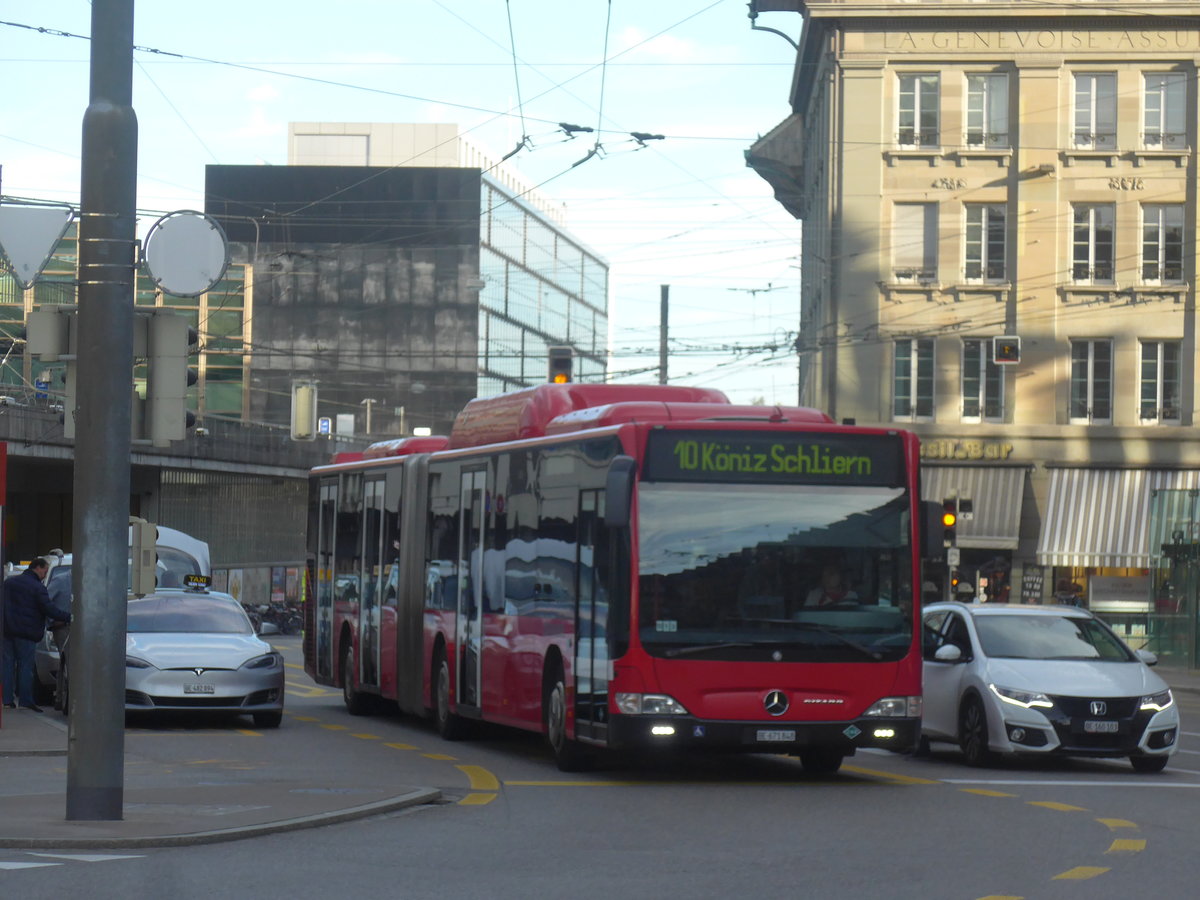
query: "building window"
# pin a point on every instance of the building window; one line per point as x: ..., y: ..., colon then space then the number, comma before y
x: 918, y: 116
x: 1095, y: 111
x: 1092, y: 243
x: 912, y: 380
x: 987, y: 111
x: 985, y: 243
x: 1091, y: 382
x: 1162, y: 243
x: 914, y: 243
x: 1160, y: 383
x: 982, y: 383
x: 1165, y: 100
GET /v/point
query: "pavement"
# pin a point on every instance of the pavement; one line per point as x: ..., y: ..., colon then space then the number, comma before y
x: 171, y: 805
x: 167, y: 804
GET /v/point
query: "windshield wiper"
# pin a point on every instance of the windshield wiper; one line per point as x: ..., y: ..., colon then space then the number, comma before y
x: 701, y: 648
x: 849, y: 642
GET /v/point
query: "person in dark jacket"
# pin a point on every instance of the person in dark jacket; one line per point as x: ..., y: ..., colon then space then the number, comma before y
x: 26, y: 607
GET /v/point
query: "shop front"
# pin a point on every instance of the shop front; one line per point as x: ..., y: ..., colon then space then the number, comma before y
x: 1126, y: 544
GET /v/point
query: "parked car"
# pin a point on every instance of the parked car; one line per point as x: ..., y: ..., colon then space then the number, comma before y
x: 194, y: 650
x: 1040, y: 681
x: 179, y: 555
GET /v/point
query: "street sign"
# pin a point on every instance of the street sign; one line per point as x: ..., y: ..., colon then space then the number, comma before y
x: 324, y: 425
x: 28, y: 236
x: 952, y: 556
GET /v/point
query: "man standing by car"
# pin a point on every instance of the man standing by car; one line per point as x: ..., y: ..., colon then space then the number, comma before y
x: 26, y: 607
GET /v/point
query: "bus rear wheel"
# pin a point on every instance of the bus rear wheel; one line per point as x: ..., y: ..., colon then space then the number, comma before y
x: 357, y: 703
x: 569, y: 755
x: 450, y: 726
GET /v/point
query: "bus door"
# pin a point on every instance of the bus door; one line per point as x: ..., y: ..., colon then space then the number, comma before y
x: 471, y: 519
x: 372, y: 554
x: 326, y: 542
x: 591, y: 645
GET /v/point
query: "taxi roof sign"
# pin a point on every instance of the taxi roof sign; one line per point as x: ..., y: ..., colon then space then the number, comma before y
x: 195, y: 582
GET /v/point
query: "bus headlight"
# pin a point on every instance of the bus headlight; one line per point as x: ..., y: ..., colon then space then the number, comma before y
x: 649, y: 705
x: 896, y: 707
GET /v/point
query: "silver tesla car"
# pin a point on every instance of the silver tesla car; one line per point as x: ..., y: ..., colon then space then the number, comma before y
x: 196, y: 650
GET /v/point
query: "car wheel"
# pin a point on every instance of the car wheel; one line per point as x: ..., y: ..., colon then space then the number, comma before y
x: 973, y: 732
x: 569, y: 755
x: 821, y: 760
x: 1148, y: 764
x: 357, y: 703
x: 268, y: 719
x: 923, y: 749
x: 450, y: 726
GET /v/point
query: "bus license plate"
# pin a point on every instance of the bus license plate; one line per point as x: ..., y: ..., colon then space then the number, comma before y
x: 199, y: 688
x: 1094, y: 726
x: 772, y: 736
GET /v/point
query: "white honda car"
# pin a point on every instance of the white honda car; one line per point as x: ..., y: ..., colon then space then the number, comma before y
x: 1041, y: 680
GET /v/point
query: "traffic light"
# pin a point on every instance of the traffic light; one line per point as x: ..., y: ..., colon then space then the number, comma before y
x: 1006, y: 350
x: 949, y: 522
x: 304, y: 411
x: 51, y: 335
x: 165, y: 339
x: 955, y: 578
x: 562, y: 360
x: 143, y: 556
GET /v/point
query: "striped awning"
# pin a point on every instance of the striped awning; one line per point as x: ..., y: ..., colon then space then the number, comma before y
x: 996, y: 492
x: 1101, y: 517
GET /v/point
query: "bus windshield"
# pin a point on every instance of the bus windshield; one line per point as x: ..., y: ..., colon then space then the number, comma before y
x: 795, y: 573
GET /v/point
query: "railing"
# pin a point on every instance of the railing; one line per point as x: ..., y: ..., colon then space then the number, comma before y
x: 912, y: 137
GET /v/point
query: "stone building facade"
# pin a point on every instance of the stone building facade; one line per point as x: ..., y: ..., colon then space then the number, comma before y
x: 999, y: 252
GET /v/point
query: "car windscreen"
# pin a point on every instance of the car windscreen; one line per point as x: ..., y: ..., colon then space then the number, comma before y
x: 1049, y: 637
x: 187, y: 614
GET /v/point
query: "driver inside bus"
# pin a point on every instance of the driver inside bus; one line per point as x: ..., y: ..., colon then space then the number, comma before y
x: 833, y: 589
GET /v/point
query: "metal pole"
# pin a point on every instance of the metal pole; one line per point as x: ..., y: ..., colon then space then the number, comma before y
x: 107, y: 240
x: 662, y: 333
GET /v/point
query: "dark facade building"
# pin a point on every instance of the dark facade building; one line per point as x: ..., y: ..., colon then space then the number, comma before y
x: 365, y: 280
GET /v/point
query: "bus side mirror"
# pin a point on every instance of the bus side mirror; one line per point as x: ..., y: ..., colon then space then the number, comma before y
x: 931, y: 530
x: 618, y: 491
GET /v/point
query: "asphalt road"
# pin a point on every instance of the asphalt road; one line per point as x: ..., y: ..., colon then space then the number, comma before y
x: 513, y: 826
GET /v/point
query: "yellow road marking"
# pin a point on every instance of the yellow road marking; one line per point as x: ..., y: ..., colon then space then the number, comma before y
x: 890, y: 776
x: 294, y: 666
x: 249, y: 733
x: 1114, y: 824
x: 1126, y: 845
x: 476, y: 799
x: 304, y: 690
x: 438, y: 756
x: 304, y: 718
x: 481, y: 779
x: 366, y: 737
x: 336, y: 727
x: 983, y: 792
x: 401, y: 746
x: 1080, y: 873
x: 1061, y: 807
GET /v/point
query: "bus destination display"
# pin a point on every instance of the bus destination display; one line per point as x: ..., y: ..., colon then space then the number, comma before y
x: 770, y: 457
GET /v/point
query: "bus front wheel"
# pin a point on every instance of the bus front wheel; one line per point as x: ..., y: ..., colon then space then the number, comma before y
x: 821, y: 760
x: 569, y: 755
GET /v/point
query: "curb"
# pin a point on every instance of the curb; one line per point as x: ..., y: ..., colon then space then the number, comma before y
x: 403, y: 801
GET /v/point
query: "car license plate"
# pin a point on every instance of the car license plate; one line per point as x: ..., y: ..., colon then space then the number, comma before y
x: 199, y: 688
x: 1096, y: 726
x: 772, y: 736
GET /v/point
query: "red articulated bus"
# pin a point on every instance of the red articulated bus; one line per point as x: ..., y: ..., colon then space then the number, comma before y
x: 628, y: 567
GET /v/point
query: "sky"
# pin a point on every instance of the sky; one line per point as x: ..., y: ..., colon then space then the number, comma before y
x: 219, y: 81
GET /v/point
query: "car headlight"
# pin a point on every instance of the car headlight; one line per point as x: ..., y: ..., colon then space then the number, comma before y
x: 1157, y: 702
x: 132, y: 662
x: 896, y: 707
x: 266, y: 661
x: 1024, y: 699
x: 649, y: 705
